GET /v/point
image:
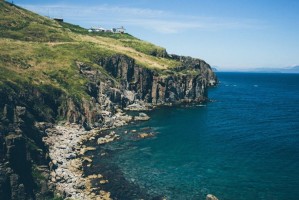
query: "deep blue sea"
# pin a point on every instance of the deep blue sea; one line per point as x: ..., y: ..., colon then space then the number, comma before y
x: 243, y: 145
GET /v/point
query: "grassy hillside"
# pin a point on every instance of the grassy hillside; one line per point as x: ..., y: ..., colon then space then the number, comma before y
x: 40, y: 51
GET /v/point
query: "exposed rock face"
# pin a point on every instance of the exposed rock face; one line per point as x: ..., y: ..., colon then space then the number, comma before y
x: 23, y: 165
x: 24, y: 160
x: 151, y: 87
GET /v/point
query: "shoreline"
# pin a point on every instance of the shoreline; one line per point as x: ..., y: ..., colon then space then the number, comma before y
x: 66, y: 144
x: 71, y: 172
x: 65, y: 151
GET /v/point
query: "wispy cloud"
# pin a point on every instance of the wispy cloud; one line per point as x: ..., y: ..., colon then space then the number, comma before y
x: 155, y: 20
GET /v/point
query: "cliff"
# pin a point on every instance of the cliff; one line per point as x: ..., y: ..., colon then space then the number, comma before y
x: 52, y: 71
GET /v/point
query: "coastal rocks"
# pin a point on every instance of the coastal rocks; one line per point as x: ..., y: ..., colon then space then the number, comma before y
x: 103, y: 195
x: 145, y: 135
x: 142, y: 117
x: 138, y: 106
x: 108, y: 138
x: 211, y: 197
x: 132, y: 87
x: 64, y: 150
x: 85, y: 149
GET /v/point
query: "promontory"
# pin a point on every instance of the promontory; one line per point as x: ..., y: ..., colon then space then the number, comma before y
x: 60, y: 85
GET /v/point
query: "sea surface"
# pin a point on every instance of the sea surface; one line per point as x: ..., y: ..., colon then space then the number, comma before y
x: 243, y: 145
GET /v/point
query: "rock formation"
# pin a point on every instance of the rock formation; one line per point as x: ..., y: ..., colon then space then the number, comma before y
x: 125, y: 85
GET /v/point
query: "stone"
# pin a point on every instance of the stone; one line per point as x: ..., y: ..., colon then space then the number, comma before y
x: 211, y: 197
x: 84, y: 150
x: 101, y: 141
x: 53, y: 174
x: 103, y: 181
x: 100, y: 176
x: 142, y: 117
x: 87, y: 159
x: 145, y: 135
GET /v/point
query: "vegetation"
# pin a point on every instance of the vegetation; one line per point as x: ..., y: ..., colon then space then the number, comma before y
x: 41, y: 52
x: 20, y: 24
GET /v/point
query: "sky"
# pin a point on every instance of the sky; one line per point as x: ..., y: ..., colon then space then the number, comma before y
x: 228, y: 34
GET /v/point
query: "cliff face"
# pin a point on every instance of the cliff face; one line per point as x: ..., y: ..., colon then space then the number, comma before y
x: 129, y: 86
x: 124, y: 85
x: 154, y: 88
x: 158, y: 88
x: 24, y: 162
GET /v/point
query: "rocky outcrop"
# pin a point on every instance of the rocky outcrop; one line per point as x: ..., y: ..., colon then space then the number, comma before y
x: 211, y: 197
x: 23, y: 165
x: 186, y: 83
x: 27, y: 111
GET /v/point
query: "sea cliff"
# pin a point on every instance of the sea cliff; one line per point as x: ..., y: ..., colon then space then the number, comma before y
x: 56, y: 73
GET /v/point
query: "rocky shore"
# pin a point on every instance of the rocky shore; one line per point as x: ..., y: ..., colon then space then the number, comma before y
x: 67, y: 150
x: 66, y: 167
x: 67, y: 153
x: 138, y: 89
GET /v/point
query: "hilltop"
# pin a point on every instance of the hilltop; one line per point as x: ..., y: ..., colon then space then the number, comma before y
x: 55, y: 72
x: 31, y: 43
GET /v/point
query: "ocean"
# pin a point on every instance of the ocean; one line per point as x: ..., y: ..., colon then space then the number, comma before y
x: 243, y: 144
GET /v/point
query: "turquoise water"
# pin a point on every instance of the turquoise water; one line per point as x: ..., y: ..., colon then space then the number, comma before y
x: 242, y: 145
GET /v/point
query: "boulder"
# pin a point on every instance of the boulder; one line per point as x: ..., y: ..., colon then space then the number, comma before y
x: 142, y: 117
x: 145, y: 135
x: 211, y: 197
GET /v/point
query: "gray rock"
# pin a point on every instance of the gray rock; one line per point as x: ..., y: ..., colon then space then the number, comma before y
x: 211, y: 197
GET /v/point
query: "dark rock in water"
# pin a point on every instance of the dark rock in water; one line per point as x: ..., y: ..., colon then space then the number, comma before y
x: 119, y: 187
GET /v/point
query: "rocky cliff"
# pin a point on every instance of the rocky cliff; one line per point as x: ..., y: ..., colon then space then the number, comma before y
x: 124, y: 85
x: 66, y: 75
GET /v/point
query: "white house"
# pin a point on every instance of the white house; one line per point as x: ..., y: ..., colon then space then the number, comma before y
x: 119, y: 30
x: 114, y: 30
x: 99, y: 29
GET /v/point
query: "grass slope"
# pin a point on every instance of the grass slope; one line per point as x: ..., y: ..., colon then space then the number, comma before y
x: 38, y: 51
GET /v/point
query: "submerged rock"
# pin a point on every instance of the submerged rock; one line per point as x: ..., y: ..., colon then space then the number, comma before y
x: 145, y: 135
x: 142, y: 117
x: 211, y: 197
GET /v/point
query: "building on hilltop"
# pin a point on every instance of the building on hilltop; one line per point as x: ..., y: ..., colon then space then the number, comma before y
x: 58, y: 19
x: 99, y: 29
x: 113, y: 30
x: 119, y: 30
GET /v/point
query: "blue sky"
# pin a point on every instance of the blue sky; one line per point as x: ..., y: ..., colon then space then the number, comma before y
x: 229, y: 34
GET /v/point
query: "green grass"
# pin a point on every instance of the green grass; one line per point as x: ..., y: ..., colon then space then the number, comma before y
x: 145, y: 47
x: 112, y: 35
x: 20, y: 24
x: 41, y: 63
x: 40, y: 52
